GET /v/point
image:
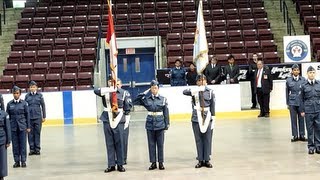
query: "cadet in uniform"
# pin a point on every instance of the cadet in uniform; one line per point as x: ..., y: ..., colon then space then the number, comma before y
x: 5, y: 140
x: 310, y: 95
x: 203, y: 116
x: 18, y: 111
x: 178, y: 75
x: 157, y: 121
x: 1, y: 102
x: 37, y: 111
x: 113, y: 125
x: 293, y: 92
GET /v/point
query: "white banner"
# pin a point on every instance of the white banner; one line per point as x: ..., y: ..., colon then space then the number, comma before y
x: 296, y: 49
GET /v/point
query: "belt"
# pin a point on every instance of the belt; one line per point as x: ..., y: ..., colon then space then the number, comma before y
x: 119, y: 109
x: 204, y: 109
x: 155, y: 113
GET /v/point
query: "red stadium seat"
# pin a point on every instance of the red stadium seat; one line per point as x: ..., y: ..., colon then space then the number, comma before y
x: 10, y: 69
x: 40, y: 68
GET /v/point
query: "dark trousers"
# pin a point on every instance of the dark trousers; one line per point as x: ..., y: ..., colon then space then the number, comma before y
x: 296, y: 121
x: 19, y: 144
x: 155, y: 142
x: 34, y: 135
x: 125, y: 143
x: 313, y: 130
x: 253, y: 95
x: 3, y: 161
x: 203, y: 141
x: 263, y: 99
x: 114, y: 144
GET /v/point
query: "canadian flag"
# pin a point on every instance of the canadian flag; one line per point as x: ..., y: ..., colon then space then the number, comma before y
x: 111, y: 42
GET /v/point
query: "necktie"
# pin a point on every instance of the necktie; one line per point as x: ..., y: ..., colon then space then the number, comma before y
x: 312, y: 83
x: 257, y: 78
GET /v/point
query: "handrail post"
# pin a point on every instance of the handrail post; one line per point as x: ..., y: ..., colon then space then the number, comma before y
x: 4, y: 12
x: 0, y: 25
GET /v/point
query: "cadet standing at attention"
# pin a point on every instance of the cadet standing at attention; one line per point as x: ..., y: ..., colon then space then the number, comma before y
x: 203, y: 117
x: 5, y: 140
x: 156, y: 123
x: 310, y: 95
x: 37, y: 111
x: 113, y: 125
x: 18, y: 111
x: 293, y: 92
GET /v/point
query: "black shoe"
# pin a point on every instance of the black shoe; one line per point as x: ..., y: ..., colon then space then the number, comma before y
x: 16, y: 165
x: 302, y: 138
x: 267, y: 115
x: 253, y: 107
x: 207, y: 164
x: 318, y: 151
x: 199, y: 165
x: 294, y: 139
x: 125, y: 162
x: 121, y: 168
x: 31, y: 153
x: 23, y: 164
x: 161, y: 166
x: 37, y: 153
x: 153, y: 166
x: 260, y: 115
x: 311, y: 151
x: 110, y: 169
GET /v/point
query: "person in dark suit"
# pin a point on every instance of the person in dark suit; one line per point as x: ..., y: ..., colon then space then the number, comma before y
x: 18, y: 111
x: 191, y: 75
x: 37, y: 111
x: 5, y: 140
x: 263, y: 87
x: 213, y: 71
x: 252, y: 70
x: 231, y: 71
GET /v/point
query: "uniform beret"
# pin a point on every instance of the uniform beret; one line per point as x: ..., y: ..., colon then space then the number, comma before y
x: 295, y: 66
x: 15, y: 88
x: 201, y: 76
x: 32, y: 83
x: 154, y: 83
x: 310, y: 68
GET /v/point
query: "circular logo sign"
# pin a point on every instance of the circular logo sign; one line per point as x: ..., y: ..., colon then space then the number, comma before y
x: 297, y: 50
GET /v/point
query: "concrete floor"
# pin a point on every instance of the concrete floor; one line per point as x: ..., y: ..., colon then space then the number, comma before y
x: 243, y: 149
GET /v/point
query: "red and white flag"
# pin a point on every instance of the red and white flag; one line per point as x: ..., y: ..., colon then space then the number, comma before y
x: 112, y: 44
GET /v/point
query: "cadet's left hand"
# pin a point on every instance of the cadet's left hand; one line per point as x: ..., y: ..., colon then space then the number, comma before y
x: 7, y: 145
x: 28, y: 130
x: 167, y: 127
x: 44, y: 120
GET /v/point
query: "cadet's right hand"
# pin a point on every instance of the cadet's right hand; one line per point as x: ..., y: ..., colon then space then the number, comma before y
x: 28, y: 130
x: 303, y: 114
x: 146, y: 91
x: 44, y: 120
x: 7, y: 145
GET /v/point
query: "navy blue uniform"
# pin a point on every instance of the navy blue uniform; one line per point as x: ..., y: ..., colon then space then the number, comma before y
x: 156, y: 122
x: 293, y: 97
x: 37, y: 111
x: 1, y: 103
x: 114, y: 137
x: 203, y: 140
x: 5, y: 138
x: 20, y: 122
x: 178, y: 77
x: 310, y: 95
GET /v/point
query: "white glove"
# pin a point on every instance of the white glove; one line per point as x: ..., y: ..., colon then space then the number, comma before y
x: 126, y: 124
x: 105, y: 90
x: 213, y: 122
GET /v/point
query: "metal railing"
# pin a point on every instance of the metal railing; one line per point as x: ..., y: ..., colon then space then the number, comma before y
x: 0, y: 25
x: 286, y: 19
